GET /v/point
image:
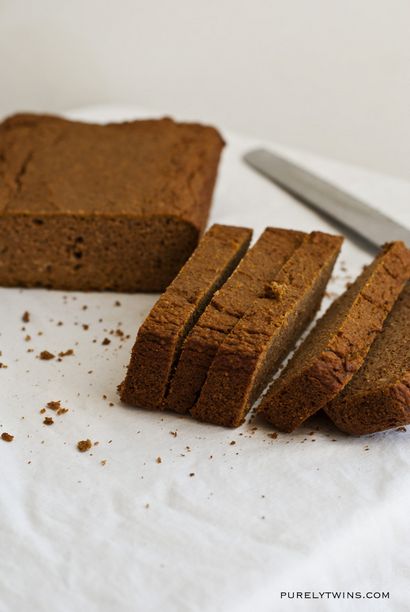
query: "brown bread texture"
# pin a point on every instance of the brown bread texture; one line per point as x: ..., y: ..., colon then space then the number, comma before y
x: 102, y: 207
x: 253, y: 350
x: 338, y: 345
x: 378, y: 396
x: 259, y: 266
x: 160, y: 337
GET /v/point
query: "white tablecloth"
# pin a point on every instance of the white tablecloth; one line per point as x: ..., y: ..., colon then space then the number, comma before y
x: 215, y: 526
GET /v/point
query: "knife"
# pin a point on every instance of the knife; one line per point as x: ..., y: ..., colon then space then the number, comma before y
x: 352, y: 213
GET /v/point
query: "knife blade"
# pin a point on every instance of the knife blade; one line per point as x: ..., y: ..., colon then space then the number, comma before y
x: 346, y: 209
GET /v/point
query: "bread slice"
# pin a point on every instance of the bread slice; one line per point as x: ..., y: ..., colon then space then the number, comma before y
x: 160, y: 337
x: 265, y: 334
x: 378, y: 396
x: 338, y: 345
x: 259, y: 266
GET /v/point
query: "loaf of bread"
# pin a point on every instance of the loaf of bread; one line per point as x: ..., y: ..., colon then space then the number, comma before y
x: 102, y: 207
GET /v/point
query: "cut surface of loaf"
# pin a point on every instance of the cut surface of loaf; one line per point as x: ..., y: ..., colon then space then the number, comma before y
x: 378, y: 396
x: 259, y: 266
x: 337, y: 346
x: 102, y: 207
x: 260, y: 340
x: 160, y: 337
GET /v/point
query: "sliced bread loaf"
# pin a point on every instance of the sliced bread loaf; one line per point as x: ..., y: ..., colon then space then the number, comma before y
x: 260, y: 265
x: 160, y: 337
x: 260, y: 340
x: 337, y: 347
x: 378, y: 396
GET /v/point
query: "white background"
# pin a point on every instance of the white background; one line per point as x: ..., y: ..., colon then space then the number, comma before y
x: 329, y: 76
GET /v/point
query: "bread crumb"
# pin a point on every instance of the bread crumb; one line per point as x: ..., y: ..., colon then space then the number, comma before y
x: 42, y: 411
x: 48, y: 421
x: 232, y: 442
x: 84, y: 445
x: 103, y: 461
x: 173, y: 433
x: 158, y: 460
x: 106, y: 341
x: 46, y: 355
x: 273, y: 435
x: 401, y: 429
x: 3, y: 365
x: 26, y: 317
x: 66, y: 353
x: 192, y: 474
x: 7, y: 437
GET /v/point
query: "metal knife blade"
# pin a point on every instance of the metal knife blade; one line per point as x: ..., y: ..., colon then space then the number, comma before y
x: 345, y: 208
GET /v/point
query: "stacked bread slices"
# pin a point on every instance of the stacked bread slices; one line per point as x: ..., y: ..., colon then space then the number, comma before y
x: 217, y: 336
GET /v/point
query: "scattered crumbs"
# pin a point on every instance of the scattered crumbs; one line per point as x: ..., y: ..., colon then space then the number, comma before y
x: 173, y: 433
x: 84, y: 445
x: 7, y: 437
x: 232, y: 442
x: 273, y: 435
x: 30, y: 350
x: 117, y: 303
x: 103, y: 461
x: 111, y: 404
x: 54, y: 405
x: 66, y: 353
x: 401, y: 429
x: 85, y: 307
x: 27, y: 338
x: 3, y: 365
x: 60, y: 323
x: 42, y: 411
x: 104, y: 397
x: 106, y: 341
x: 48, y: 421
x: 158, y: 460
x: 46, y: 355
x: 192, y: 474
x: 26, y: 317
x: 85, y: 327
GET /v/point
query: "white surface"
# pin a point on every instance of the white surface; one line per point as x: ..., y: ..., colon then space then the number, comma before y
x: 299, y: 513
x: 330, y: 77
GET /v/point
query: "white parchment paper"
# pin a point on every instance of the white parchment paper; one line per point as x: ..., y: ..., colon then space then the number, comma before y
x: 229, y: 519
